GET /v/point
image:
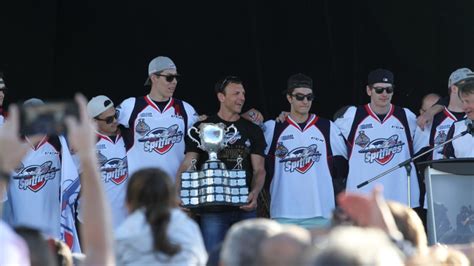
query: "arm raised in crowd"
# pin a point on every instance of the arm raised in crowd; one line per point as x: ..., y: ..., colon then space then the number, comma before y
x: 96, y: 232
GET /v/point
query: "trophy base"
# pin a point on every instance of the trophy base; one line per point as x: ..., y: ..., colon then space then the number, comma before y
x: 215, y: 164
x: 211, y: 187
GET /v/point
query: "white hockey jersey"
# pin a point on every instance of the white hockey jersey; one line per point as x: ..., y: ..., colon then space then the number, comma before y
x: 155, y: 138
x: 462, y: 147
x: 376, y: 146
x: 34, y: 190
x: 300, y: 165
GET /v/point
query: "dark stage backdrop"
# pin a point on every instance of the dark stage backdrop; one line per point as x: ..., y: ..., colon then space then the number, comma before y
x: 53, y: 48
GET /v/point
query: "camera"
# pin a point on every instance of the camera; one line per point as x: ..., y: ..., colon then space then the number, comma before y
x: 47, y: 118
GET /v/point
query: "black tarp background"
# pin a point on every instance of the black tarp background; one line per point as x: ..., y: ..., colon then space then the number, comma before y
x: 53, y: 48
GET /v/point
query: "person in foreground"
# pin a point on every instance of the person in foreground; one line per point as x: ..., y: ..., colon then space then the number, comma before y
x: 156, y: 231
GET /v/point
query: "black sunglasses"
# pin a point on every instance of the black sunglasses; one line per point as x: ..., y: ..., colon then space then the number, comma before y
x: 108, y: 119
x: 379, y: 90
x: 300, y: 97
x: 169, y: 78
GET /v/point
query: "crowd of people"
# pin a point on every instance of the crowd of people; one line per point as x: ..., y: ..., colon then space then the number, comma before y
x: 109, y: 189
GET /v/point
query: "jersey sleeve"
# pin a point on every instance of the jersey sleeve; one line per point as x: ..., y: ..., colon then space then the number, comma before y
x: 268, y: 134
x: 338, y: 143
x: 344, y: 123
x: 193, y: 116
x: 124, y: 111
x: 422, y: 140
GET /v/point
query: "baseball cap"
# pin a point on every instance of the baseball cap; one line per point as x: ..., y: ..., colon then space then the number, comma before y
x: 159, y: 64
x: 460, y: 75
x: 98, y: 104
x: 299, y: 81
x: 380, y: 75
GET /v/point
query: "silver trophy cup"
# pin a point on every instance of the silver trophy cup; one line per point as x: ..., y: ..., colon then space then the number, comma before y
x: 213, y: 184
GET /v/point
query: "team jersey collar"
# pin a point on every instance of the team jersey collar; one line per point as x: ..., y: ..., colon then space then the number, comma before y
x: 312, y: 119
x: 376, y: 117
x: 152, y: 104
x: 449, y: 114
x: 107, y: 138
x: 42, y: 141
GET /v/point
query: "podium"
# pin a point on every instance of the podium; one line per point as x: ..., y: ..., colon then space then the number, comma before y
x: 450, y: 200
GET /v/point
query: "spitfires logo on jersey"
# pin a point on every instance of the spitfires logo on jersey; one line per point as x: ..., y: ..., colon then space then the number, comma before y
x: 382, y: 150
x: 34, y: 177
x: 114, y: 170
x: 161, y: 139
x: 300, y: 159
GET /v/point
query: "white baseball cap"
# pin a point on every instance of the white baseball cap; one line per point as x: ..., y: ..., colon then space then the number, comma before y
x: 98, y: 104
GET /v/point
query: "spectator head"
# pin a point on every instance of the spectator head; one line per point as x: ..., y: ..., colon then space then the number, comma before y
x: 348, y: 245
x: 409, y: 224
x: 439, y: 255
x: 40, y: 253
x: 242, y: 242
x: 285, y: 248
x: 152, y: 190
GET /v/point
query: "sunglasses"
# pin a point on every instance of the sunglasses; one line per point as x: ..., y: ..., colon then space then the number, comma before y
x: 379, y: 90
x: 108, y: 119
x: 169, y: 78
x: 300, y: 97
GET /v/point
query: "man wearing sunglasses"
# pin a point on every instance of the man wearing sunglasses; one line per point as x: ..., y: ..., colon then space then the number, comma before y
x: 380, y: 136
x: 248, y: 144
x: 301, y: 152
x: 111, y: 153
x: 155, y: 125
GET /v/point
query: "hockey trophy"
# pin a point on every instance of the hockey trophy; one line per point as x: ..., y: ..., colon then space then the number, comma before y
x: 214, y: 184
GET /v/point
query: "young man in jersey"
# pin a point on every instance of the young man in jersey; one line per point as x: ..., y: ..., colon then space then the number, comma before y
x: 380, y: 136
x: 455, y: 79
x: 34, y: 189
x: 300, y: 155
x: 156, y: 124
x: 111, y: 154
x: 463, y: 147
x: 248, y: 143
x: 435, y: 132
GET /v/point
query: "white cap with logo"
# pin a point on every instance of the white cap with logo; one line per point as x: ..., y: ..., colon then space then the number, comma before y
x: 98, y: 104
